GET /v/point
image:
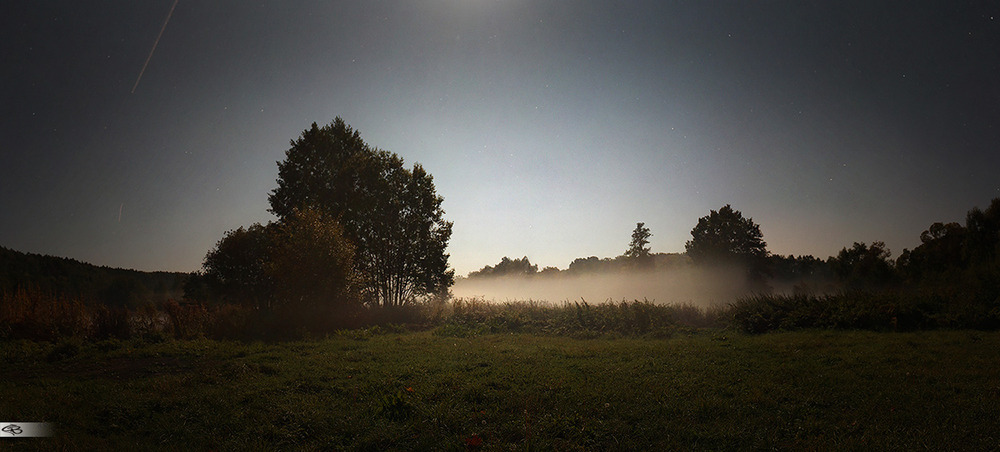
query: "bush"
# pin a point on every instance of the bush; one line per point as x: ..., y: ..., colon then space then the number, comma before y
x: 187, y: 321
x: 32, y: 314
x: 879, y: 311
x: 110, y: 322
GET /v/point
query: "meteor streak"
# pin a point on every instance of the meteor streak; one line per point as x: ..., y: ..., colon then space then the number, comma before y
x: 154, y: 46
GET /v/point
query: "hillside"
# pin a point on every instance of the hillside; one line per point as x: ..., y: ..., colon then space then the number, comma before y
x: 88, y: 282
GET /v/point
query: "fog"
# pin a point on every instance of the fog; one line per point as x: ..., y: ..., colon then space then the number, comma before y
x: 697, y: 286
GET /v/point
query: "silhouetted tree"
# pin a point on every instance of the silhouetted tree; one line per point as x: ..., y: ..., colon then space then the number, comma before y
x: 236, y: 270
x: 196, y: 288
x: 549, y: 271
x: 863, y: 266
x: 589, y: 265
x: 507, y: 267
x: 725, y: 237
x: 637, y: 252
x: 982, y: 245
x: 311, y: 261
x: 671, y: 260
x: 939, y: 253
x: 124, y: 292
x: 90, y: 283
x: 805, y: 273
x: 392, y: 215
x: 950, y: 254
x: 311, y: 268
x: 303, y: 262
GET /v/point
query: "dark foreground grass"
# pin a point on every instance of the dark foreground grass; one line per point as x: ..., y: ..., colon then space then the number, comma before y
x: 420, y: 391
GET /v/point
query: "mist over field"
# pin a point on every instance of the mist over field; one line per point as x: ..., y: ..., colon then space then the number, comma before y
x: 698, y: 286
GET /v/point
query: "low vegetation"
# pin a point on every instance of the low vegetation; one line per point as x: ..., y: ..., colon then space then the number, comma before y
x: 34, y: 315
x: 878, y: 311
x: 37, y: 316
x: 375, y: 389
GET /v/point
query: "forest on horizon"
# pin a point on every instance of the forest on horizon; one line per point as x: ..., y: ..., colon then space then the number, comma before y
x: 947, y: 251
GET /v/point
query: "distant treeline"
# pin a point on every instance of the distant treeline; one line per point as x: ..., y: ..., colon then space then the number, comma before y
x: 593, y: 264
x: 807, y: 272
x: 951, y: 280
x: 952, y: 260
x: 89, y: 283
x: 800, y: 273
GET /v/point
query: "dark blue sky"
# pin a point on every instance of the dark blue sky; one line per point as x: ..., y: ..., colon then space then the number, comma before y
x: 551, y: 127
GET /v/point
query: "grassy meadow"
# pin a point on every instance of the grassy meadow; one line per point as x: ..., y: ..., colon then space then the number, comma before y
x: 453, y: 388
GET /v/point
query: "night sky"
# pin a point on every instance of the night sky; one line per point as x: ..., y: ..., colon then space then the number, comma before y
x: 550, y: 127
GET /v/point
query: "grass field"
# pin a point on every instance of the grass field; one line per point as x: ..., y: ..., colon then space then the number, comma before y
x: 367, y: 390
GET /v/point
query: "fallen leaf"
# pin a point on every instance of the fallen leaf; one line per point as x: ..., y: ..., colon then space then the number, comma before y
x: 473, y: 441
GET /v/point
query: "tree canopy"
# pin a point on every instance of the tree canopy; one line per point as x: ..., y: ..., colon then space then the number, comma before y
x: 311, y: 263
x: 391, y: 214
x: 72, y: 278
x: 299, y: 270
x: 862, y: 266
x: 507, y: 267
x: 726, y: 237
x: 236, y: 268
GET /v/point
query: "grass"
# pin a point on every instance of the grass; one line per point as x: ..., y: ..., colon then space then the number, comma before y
x: 378, y: 390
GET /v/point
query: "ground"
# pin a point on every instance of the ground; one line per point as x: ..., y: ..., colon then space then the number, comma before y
x: 364, y: 390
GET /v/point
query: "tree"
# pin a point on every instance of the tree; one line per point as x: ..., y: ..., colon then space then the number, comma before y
x: 725, y: 237
x: 196, y: 288
x: 591, y: 264
x: 792, y: 268
x: 507, y: 267
x: 124, y: 292
x: 303, y: 263
x: 863, y: 266
x: 982, y: 243
x: 939, y: 253
x: 391, y: 214
x: 549, y: 271
x: 638, y: 252
x: 311, y: 264
x: 236, y: 269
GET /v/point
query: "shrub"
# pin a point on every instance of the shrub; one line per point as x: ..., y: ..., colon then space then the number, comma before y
x: 187, y: 321
x: 32, y: 314
x: 110, y: 322
x: 868, y: 310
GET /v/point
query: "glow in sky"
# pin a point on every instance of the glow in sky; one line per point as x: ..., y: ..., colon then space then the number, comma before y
x: 550, y: 127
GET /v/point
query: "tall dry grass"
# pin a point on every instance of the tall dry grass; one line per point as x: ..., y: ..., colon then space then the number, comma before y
x: 37, y: 315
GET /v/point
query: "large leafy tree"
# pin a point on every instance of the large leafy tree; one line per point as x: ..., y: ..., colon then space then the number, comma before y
x: 862, y: 266
x: 939, y: 253
x: 982, y: 243
x: 726, y: 237
x: 391, y: 214
x: 303, y: 261
x: 311, y: 263
x: 236, y: 270
x: 958, y: 262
